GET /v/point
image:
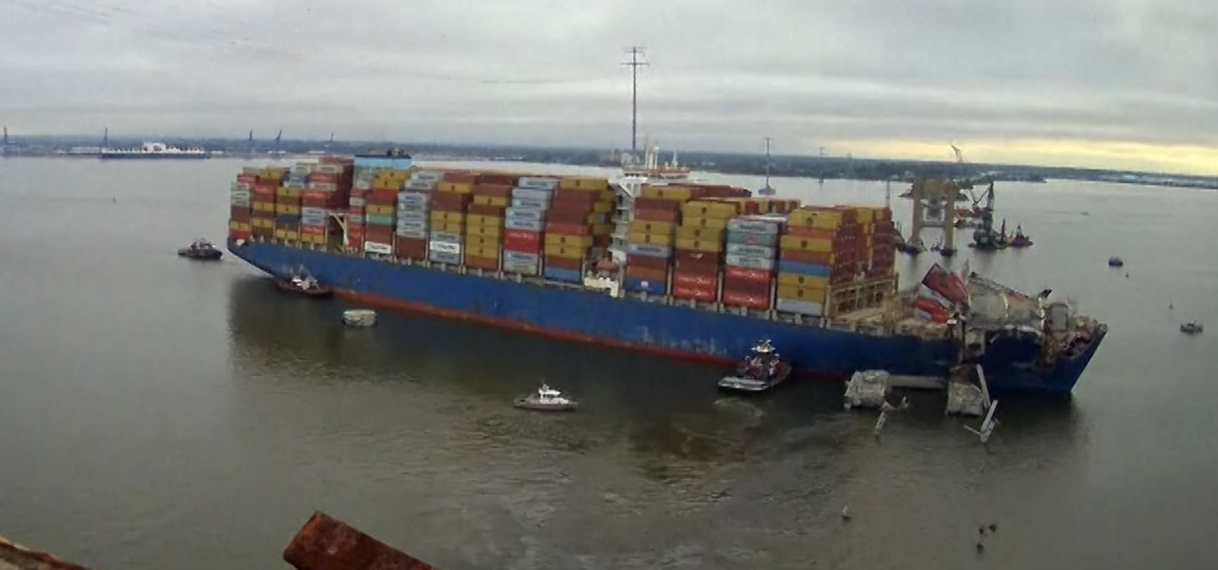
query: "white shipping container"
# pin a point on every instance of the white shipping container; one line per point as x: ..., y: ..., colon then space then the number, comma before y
x: 749, y: 261
x: 323, y: 186
x: 240, y: 187
x: 411, y: 234
x: 526, y: 225
x: 530, y: 204
x: 422, y: 185
x: 314, y: 213
x: 241, y: 194
x: 448, y: 237
x: 428, y: 175
x: 537, y: 182
x: 239, y: 202
x: 750, y: 250
x: 379, y: 248
x: 532, y: 193
x: 445, y: 247
x: 412, y: 216
x: 328, y: 168
x: 800, y: 307
x: 524, y: 214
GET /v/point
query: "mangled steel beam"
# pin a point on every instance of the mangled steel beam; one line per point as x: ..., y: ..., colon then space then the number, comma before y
x: 22, y: 558
x: 328, y: 544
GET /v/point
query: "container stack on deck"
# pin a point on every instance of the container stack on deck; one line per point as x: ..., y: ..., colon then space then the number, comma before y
x: 328, y: 188
x: 751, y: 260
x: 241, y: 206
x: 699, y: 248
x: 380, y: 210
x: 287, y: 205
x: 448, y: 206
x: 819, y: 249
x: 484, y: 223
x: 414, y: 215
x: 524, y: 224
x: 651, y: 236
x: 881, y: 238
x: 577, y: 217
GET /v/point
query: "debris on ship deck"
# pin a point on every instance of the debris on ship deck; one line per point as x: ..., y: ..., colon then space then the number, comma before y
x: 17, y: 557
x: 325, y: 543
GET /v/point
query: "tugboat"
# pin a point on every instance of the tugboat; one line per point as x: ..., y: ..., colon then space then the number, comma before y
x: 546, y: 399
x: 1192, y: 328
x: 201, y: 249
x: 1115, y: 261
x: 1020, y: 239
x: 761, y: 370
x: 304, y: 285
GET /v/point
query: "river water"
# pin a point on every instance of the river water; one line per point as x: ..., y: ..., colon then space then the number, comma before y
x: 157, y: 413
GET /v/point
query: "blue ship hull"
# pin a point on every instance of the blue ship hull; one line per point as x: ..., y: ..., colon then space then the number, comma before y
x: 595, y: 317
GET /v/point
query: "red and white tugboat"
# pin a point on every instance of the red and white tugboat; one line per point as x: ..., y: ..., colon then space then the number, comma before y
x: 761, y: 370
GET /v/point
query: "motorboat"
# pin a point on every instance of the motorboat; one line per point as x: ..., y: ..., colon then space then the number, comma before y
x: 201, y: 249
x: 1020, y: 239
x: 1193, y: 327
x: 1115, y: 261
x: 762, y: 369
x: 304, y: 285
x: 546, y: 399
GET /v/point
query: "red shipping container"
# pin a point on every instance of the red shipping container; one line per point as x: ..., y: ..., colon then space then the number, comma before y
x: 263, y: 232
x: 323, y: 177
x: 321, y: 196
x: 484, y: 210
x: 695, y: 280
x: 656, y: 204
x: 647, y: 261
x: 312, y: 230
x: 564, y: 263
x: 696, y: 256
x: 750, y: 208
x: 697, y: 293
x: 573, y: 198
x: 573, y: 208
x: 486, y: 263
x: 355, y: 231
x: 410, y: 248
x: 381, y: 197
x: 499, y: 178
x: 568, y: 229
x: 649, y: 215
x: 711, y: 270
x: 493, y: 190
x: 379, y: 234
x: 647, y: 274
x: 240, y: 214
x: 247, y: 178
x: 449, y: 201
x: 574, y: 218
x: 461, y: 177
x: 264, y: 192
x: 521, y: 240
x: 810, y: 257
x: 740, y: 274
x: 235, y: 235
x: 739, y: 299
x: 749, y: 286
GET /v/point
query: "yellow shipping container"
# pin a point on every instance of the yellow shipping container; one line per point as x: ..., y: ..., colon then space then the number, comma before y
x: 482, y: 200
x: 583, y: 183
x: 565, y: 251
x: 479, y: 241
x: 456, y: 188
x: 801, y: 280
x: 602, y: 229
x: 267, y: 223
x: 273, y: 173
x: 287, y: 209
x: 650, y: 227
x: 450, y: 227
x: 709, y: 209
x: 314, y: 239
x: 602, y: 207
x: 387, y: 184
x: 708, y: 246
x: 239, y: 226
x: 488, y: 251
x: 813, y: 245
x: 696, y: 232
x: 864, y: 215
x: 483, y: 220
x: 292, y: 235
x: 487, y: 231
x: 572, y: 241
x: 825, y: 218
x: 814, y: 294
x: 288, y: 192
x: 379, y: 209
x: 441, y: 217
x: 703, y: 222
x: 264, y: 206
x: 654, y: 239
x: 676, y: 193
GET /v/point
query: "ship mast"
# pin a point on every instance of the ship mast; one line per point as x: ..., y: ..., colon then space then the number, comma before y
x: 767, y: 162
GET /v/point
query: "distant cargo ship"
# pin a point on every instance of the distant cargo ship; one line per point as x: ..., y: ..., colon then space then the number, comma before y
x: 708, y: 270
x: 153, y: 150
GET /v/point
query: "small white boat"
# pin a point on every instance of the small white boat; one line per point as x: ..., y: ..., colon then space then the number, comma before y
x: 359, y: 317
x: 1192, y: 328
x: 546, y: 399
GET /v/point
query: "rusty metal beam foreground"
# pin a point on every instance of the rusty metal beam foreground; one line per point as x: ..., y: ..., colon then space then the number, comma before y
x: 22, y: 558
x: 328, y: 544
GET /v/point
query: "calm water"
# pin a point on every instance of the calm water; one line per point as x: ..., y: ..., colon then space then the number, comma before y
x: 157, y: 413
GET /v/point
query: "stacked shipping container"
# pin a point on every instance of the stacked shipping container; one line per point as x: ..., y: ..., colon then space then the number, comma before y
x: 699, y: 248
x: 328, y: 187
x: 414, y: 215
x: 448, y: 205
x: 819, y: 249
x: 524, y: 224
x: 266, y: 185
x: 750, y: 263
x: 650, y: 239
x: 485, y: 222
x: 241, y: 206
x: 576, y: 221
x: 380, y: 209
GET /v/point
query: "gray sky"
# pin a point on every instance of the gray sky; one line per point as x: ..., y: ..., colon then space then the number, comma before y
x: 1127, y: 83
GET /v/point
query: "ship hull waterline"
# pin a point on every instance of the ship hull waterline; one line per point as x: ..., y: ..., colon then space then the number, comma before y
x: 676, y: 331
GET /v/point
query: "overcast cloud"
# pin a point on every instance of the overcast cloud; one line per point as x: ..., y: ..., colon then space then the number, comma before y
x: 1094, y: 82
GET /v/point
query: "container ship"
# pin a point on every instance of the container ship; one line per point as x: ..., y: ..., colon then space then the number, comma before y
x: 153, y: 150
x: 674, y: 268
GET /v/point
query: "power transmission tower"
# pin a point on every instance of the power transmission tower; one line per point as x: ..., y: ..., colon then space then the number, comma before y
x: 636, y: 52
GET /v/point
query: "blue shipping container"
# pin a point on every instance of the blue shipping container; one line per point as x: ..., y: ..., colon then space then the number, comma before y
x: 568, y: 275
x: 642, y: 285
x: 816, y: 269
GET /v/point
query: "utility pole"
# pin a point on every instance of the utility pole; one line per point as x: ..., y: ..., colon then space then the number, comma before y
x: 636, y: 52
x: 106, y: 138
